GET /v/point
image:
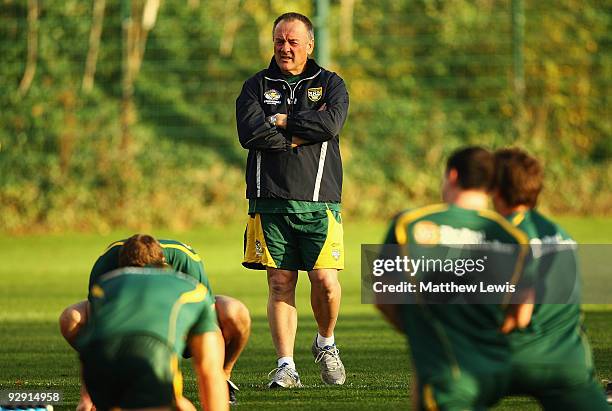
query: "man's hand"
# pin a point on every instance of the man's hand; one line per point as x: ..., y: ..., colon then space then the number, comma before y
x: 296, y: 141
x: 519, y: 315
x: 281, y: 120
x: 85, y: 403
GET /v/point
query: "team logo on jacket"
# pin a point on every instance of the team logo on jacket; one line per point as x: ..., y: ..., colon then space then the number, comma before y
x: 272, y: 97
x: 314, y: 94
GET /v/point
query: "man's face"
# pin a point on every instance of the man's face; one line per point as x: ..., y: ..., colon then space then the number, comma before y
x: 292, y: 45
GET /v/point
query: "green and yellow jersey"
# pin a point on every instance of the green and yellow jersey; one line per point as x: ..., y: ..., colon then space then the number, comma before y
x: 462, y: 359
x: 446, y: 338
x: 555, y: 263
x: 179, y: 256
x: 148, y: 301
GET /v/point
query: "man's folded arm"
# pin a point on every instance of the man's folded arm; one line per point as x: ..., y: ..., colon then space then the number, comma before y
x: 318, y: 126
x: 254, y: 132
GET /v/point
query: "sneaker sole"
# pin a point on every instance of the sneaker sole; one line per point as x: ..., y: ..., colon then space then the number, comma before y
x: 334, y: 383
x: 274, y: 385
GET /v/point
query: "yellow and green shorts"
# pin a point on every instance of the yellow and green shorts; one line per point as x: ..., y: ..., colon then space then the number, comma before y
x: 300, y: 241
x: 135, y: 371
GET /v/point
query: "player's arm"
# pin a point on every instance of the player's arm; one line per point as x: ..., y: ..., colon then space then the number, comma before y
x: 208, y: 352
x: 518, y: 316
x: 315, y: 126
x: 254, y: 132
x: 518, y: 313
x: 85, y: 403
x: 391, y: 312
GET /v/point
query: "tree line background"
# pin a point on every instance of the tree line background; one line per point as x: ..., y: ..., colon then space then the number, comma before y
x: 121, y: 113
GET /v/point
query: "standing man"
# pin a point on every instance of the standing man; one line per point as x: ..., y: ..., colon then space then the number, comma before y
x: 289, y: 117
x: 143, y: 316
x: 551, y: 358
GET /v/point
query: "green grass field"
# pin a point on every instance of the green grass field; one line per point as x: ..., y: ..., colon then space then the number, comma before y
x: 40, y: 275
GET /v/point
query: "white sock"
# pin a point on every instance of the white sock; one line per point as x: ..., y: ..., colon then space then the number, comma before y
x: 325, y: 341
x: 286, y: 360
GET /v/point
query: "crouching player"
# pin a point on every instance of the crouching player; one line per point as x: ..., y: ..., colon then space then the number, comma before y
x: 459, y: 352
x: 551, y: 359
x: 232, y: 315
x: 141, y: 316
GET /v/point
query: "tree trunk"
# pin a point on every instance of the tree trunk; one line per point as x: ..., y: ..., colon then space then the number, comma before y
x: 94, y: 44
x: 347, y: 8
x: 135, y: 29
x: 261, y: 15
x: 231, y: 24
x: 30, y: 70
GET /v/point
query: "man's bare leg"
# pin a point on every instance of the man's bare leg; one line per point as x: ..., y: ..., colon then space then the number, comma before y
x: 325, y: 294
x: 282, y: 314
x: 235, y: 324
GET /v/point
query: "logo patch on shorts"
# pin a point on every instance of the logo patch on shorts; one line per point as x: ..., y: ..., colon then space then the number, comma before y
x: 272, y: 97
x: 335, y: 253
x: 258, y: 248
x: 426, y: 232
x: 314, y: 94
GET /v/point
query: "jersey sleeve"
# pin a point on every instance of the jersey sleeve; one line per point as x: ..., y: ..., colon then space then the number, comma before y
x: 108, y: 261
x: 183, y: 258
x: 207, y: 320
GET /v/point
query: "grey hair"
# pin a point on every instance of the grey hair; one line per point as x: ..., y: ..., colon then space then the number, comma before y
x: 295, y: 16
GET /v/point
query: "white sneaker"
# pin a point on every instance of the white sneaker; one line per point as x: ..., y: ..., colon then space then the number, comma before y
x: 284, y: 377
x: 332, y: 369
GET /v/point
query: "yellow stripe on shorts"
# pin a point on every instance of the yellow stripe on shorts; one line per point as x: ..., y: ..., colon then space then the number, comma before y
x: 332, y: 252
x: 256, y: 250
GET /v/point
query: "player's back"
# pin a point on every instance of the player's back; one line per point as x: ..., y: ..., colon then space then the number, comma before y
x: 555, y: 263
x: 457, y: 330
x: 181, y: 257
x: 148, y: 301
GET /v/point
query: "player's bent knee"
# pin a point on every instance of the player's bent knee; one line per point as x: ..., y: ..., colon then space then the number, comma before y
x: 233, y: 315
x: 72, y: 319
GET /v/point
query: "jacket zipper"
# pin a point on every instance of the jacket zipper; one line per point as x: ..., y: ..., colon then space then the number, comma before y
x: 292, y: 100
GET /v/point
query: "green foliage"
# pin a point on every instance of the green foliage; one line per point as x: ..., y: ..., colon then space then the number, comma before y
x: 424, y: 77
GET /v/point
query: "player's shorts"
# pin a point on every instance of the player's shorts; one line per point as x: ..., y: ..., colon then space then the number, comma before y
x: 302, y: 241
x: 463, y: 391
x: 557, y: 373
x: 136, y: 371
x: 458, y: 366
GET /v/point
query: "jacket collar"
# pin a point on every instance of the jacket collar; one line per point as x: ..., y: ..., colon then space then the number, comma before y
x: 310, y: 69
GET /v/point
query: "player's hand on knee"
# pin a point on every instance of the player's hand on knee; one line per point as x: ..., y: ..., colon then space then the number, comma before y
x: 85, y: 404
x: 183, y: 404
